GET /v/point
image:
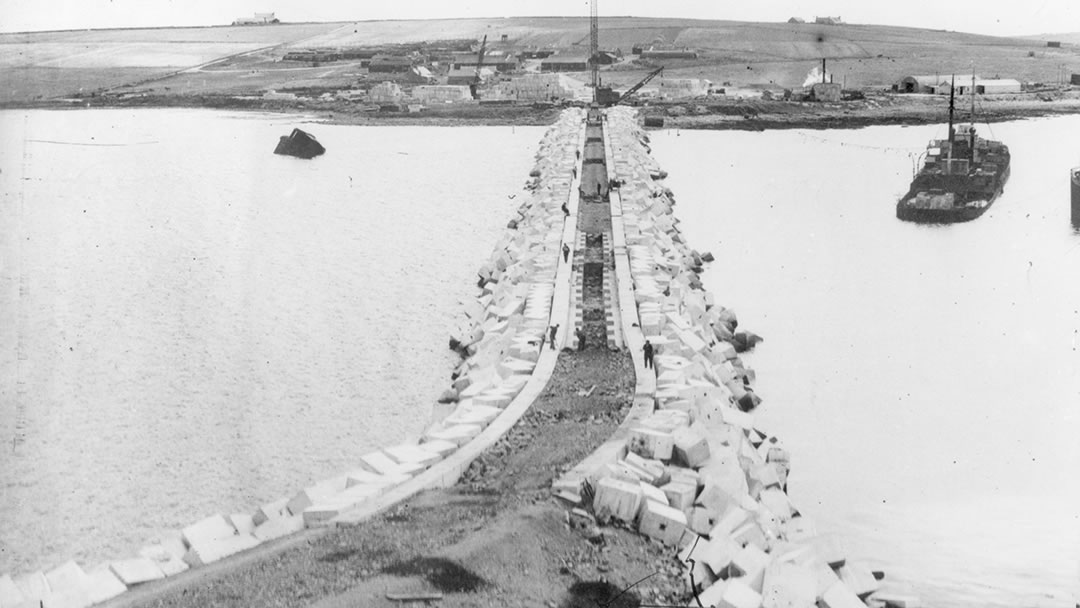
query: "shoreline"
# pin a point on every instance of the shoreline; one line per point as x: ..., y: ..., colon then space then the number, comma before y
x: 720, y: 114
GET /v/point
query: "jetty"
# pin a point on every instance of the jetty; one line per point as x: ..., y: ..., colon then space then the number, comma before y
x: 597, y: 441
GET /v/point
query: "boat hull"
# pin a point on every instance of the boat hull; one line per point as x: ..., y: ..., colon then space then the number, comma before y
x: 910, y: 213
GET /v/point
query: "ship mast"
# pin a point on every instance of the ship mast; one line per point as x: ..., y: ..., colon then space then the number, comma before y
x: 952, y: 95
x: 971, y: 136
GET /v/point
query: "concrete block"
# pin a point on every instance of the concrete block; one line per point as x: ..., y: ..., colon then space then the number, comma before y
x: 858, y: 579
x: 655, y: 471
x: 718, y: 553
x: 680, y: 495
x: 650, y: 443
x: 700, y: 578
x: 690, y: 447
x: 241, y: 522
x: 33, y: 586
x: 365, y: 477
x: 738, y: 594
x: 493, y: 398
x: 830, y: 548
x: 825, y: 575
x: 473, y: 414
x: 684, y: 475
x: 210, y: 551
x: 839, y: 596
x: 10, y: 594
x: 103, y: 585
x: 618, y: 499
x: 749, y: 564
x: 716, y: 501
x: 702, y: 520
x: 788, y: 585
x: 777, y: 502
x: 766, y: 474
x: 407, y: 454
x: 893, y: 600
x: 442, y: 448
x: 65, y: 578
x: 168, y: 554
x: 383, y: 464
x: 330, y: 507
x: 271, y: 510
x: 136, y: 570
x: 313, y: 494
x: 278, y: 527
x: 750, y: 533
x: 652, y: 493
x: 713, y: 594
x: 459, y: 433
x: 739, y: 418
x: 208, y: 529
x: 661, y: 522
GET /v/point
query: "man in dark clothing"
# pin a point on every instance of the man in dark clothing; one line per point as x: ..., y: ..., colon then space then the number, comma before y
x: 598, y: 187
x: 565, y: 252
x: 580, y: 333
x: 565, y: 210
x: 648, y: 348
x: 554, y: 330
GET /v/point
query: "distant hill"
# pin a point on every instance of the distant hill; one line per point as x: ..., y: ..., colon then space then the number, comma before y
x: 1067, y: 38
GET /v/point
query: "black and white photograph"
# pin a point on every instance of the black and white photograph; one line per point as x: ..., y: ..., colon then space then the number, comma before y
x: 539, y: 304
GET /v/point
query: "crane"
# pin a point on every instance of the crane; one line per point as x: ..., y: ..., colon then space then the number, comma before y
x: 594, y: 45
x: 606, y: 96
x: 474, y: 88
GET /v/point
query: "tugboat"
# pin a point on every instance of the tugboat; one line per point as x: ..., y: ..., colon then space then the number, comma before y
x: 960, y: 177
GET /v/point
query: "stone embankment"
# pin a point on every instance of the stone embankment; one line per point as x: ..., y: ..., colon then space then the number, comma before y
x: 524, y: 290
x: 689, y: 467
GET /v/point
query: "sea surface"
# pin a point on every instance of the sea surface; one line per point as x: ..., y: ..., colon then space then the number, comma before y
x: 926, y: 379
x: 192, y: 325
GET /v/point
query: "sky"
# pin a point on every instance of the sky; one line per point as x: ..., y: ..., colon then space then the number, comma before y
x: 993, y: 17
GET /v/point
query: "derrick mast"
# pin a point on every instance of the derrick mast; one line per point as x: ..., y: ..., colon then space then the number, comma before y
x: 594, y: 43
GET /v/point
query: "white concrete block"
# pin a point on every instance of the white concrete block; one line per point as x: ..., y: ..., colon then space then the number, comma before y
x: 690, y: 447
x: 680, y: 495
x: 825, y: 575
x: 493, y: 398
x: 103, y: 585
x: 788, y: 585
x: 776, y: 501
x: 649, y: 443
x: 459, y: 433
x: 749, y: 564
x: 718, y: 553
x: 652, y: 493
x: 738, y: 594
x: 210, y: 551
x: 798, y: 529
x: 473, y: 414
x: 766, y: 474
x: 830, y: 548
x: 440, y: 447
x: 412, y: 454
x: 662, y: 522
x: 330, y: 507
x: 751, y: 533
x: 136, y: 570
x: 207, y: 529
x: 839, y: 596
x: 654, y: 471
x: 33, y: 585
x: 168, y: 554
x: 702, y: 520
x: 313, y: 494
x: 894, y: 600
x: 739, y: 418
x: 618, y: 499
x: 10, y: 594
x: 242, y: 523
x: 278, y: 527
x: 383, y: 464
x: 858, y: 579
x: 66, y: 578
x: 271, y: 510
x: 713, y: 595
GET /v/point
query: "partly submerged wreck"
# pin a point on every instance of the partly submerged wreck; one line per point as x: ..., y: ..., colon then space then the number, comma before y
x: 300, y: 144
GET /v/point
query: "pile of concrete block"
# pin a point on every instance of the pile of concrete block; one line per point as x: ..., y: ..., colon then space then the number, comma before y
x: 696, y: 473
x: 441, y: 93
x: 540, y: 87
x: 681, y: 88
x: 386, y: 92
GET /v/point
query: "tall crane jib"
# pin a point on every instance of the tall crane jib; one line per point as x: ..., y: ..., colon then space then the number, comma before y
x: 594, y: 45
x: 474, y: 88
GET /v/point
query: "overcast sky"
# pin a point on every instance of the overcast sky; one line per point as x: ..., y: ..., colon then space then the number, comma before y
x: 994, y: 17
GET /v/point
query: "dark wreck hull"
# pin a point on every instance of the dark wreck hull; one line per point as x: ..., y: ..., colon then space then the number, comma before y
x: 910, y: 213
x: 299, y: 144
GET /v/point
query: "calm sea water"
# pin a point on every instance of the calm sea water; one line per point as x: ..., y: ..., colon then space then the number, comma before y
x: 192, y: 325
x: 925, y: 378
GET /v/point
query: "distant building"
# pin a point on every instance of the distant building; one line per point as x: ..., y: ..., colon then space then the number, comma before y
x: 386, y: 93
x: 441, y: 93
x: 938, y: 83
x: 500, y: 63
x: 825, y: 91
x: 828, y: 20
x: 796, y: 20
x: 536, y: 54
x: 1053, y: 44
x: 420, y: 74
x: 390, y: 64
x: 1074, y: 79
x: 668, y: 54
x: 258, y: 19
x: 312, y: 55
x: 680, y: 88
x: 997, y: 86
x: 465, y: 77
x: 565, y: 63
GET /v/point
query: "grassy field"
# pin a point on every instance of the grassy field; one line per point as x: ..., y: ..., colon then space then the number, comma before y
x: 247, y: 60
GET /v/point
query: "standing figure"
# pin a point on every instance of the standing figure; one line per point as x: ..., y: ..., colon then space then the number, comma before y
x: 648, y: 348
x: 565, y: 252
x: 554, y: 330
x: 580, y: 333
x: 565, y: 210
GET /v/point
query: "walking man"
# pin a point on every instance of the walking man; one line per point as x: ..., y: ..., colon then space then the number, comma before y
x: 565, y: 252
x: 554, y: 330
x: 648, y: 348
x: 580, y: 333
x: 565, y: 210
